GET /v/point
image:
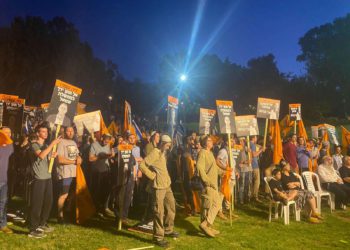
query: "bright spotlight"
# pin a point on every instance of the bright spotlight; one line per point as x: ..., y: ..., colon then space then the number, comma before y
x: 183, y: 78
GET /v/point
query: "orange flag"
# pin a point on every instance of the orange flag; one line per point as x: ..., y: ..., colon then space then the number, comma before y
x: 103, y: 128
x: 302, y: 130
x: 128, y: 126
x: 286, y: 125
x: 345, y: 139
x: 113, y: 129
x: 277, y: 144
x: 225, y: 184
x: 84, y: 204
x: 4, y: 139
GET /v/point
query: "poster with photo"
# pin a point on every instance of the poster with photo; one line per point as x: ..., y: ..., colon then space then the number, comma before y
x: 63, y: 104
x: 12, y: 115
x: 206, y: 121
x: 246, y: 125
x: 3, y: 98
x: 268, y: 108
x: 172, y: 113
x: 226, y: 116
x: 332, y: 134
x: 295, y: 112
x: 90, y: 121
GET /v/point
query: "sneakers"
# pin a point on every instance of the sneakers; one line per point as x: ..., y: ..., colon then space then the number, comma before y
x: 206, y: 230
x: 36, y: 234
x: 46, y: 229
x: 162, y: 243
x: 221, y: 216
x: 6, y: 230
x: 172, y: 234
x: 216, y: 232
x: 108, y: 213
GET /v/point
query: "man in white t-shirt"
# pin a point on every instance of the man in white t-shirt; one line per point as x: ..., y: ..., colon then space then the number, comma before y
x: 68, y: 159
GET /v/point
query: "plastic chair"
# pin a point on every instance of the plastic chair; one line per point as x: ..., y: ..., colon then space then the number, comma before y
x: 284, y: 209
x: 301, y: 181
x: 319, y: 193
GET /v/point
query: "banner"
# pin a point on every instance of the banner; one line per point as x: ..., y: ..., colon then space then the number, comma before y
x: 295, y: 112
x: 332, y: 134
x: 206, y: 121
x: 226, y: 116
x: 173, y: 105
x: 314, y: 132
x: 268, y: 108
x: 63, y: 104
x: 246, y: 125
x: 3, y: 98
x: 12, y: 115
x: 90, y: 121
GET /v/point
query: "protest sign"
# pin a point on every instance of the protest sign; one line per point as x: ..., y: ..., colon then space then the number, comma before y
x: 63, y: 104
x: 226, y: 116
x: 295, y: 112
x: 12, y: 115
x: 172, y: 111
x: 206, y: 121
x: 90, y: 121
x: 246, y: 125
x: 268, y: 108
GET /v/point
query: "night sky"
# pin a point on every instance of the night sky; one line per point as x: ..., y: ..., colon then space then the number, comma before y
x: 136, y: 34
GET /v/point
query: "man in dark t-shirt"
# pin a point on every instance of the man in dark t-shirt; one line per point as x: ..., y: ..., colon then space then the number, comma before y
x: 344, y: 171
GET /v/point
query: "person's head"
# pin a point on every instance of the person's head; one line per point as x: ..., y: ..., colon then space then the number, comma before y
x: 132, y: 139
x: 41, y: 132
x: 6, y: 130
x: 276, y: 173
x: 338, y: 149
x: 242, y: 141
x: 312, y: 143
x: 284, y: 166
x: 198, y: 144
x: 194, y: 135
x: 327, y: 160
x: 63, y: 108
x: 155, y: 137
x: 120, y: 139
x: 206, y: 142
x: 254, y: 139
x: 106, y: 139
x: 346, y: 161
x: 294, y: 138
x: 69, y: 133
x: 301, y: 141
x: 165, y: 143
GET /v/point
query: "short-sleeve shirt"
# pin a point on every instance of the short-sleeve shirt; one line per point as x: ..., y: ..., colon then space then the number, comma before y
x: 100, y: 165
x: 5, y: 153
x: 275, y: 184
x: 69, y: 150
x: 223, y: 159
x: 254, y: 159
x: 288, y: 179
x: 40, y: 166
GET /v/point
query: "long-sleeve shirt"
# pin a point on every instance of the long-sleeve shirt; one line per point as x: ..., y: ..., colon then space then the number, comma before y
x: 290, y: 154
x: 207, y: 168
x: 327, y: 173
x: 303, y: 157
x: 155, y: 168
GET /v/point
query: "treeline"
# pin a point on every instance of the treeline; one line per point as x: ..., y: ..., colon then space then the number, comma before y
x: 35, y: 52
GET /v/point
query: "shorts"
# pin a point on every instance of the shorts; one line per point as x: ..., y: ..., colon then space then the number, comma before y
x: 65, y: 185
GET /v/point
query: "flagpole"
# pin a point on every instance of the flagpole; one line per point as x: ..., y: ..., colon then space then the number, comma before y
x: 295, y: 127
x: 54, y: 149
x: 231, y: 166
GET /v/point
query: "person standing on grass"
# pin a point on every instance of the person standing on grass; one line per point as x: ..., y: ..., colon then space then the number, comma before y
x: 68, y: 159
x: 303, y: 155
x: 211, y: 199
x: 154, y: 166
x: 256, y: 151
x: 41, y: 186
x: 290, y: 153
x: 6, y: 150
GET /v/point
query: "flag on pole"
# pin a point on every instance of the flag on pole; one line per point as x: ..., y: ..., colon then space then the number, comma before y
x: 302, y: 130
x: 277, y: 144
x: 345, y: 139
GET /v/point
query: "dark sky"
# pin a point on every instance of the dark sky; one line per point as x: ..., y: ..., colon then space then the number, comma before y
x: 136, y: 34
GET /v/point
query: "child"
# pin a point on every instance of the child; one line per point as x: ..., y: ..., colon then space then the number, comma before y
x: 276, y: 187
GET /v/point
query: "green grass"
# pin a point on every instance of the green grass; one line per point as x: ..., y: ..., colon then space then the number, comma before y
x: 250, y: 231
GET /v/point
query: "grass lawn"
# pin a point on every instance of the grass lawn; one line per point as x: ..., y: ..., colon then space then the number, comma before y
x: 250, y: 231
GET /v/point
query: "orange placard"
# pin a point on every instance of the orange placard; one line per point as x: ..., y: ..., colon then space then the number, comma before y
x: 68, y: 86
x: 173, y: 100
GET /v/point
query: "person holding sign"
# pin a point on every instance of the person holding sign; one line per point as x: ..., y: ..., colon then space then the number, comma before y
x: 256, y: 152
x: 41, y: 190
x: 154, y: 166
x: 211, y: 200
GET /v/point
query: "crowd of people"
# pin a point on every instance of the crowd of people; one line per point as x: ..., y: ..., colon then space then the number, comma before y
x: 200, y: 166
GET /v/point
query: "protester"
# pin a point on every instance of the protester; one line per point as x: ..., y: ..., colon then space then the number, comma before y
x: 154, y: 166
x: 6, y: 150
x: 99, y: 156
x: 68, y: 159
x: 314, y: 155
x: 345, y: 170
x: 324, y: 151
x: 211, y: 200
x: 245, y: 173
x: 291, y: 183
x: 153, y: 143
x: 290, y: 153
x: 332, y: 182
x: 337, y: 158
x: 41, y: 186
x: 256, y: 151
x: 303, y: 155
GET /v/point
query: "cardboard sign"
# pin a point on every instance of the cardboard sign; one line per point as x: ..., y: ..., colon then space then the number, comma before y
x: 12, y: 115
x: 295, y: 112
x: 314, y: 132
x: 90, y: 121
x: 173, y: 106
x: 268, y: 108
x: 125, y: 151
x: 332, y: 134
x: 63, y: 104
x: 206, y: 121
x: 246, y: 125
x: 32, y: 116
x: 226, y: 116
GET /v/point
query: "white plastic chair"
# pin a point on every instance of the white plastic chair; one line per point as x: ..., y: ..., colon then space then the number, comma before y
x: 284, y: 208
x: 301, y: 181
x: 319, y: 193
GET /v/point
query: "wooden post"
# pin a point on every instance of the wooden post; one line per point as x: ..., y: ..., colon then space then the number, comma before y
x: 54, y: 149
x: 231, y: 166
x: 295, y: 127
x: 265, y: 133
x: 249, y: 155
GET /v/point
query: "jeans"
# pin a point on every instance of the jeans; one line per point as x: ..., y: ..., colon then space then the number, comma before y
x: 3, y: 203
x: 244, y: 186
